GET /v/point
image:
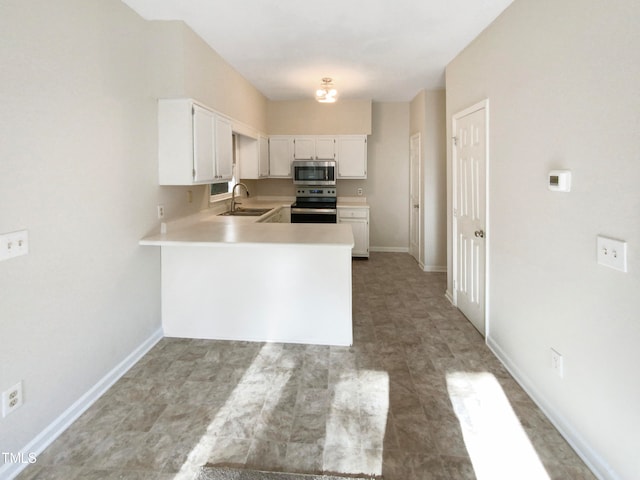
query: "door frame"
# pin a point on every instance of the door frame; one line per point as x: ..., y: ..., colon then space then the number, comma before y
x: 419, y: 258
x: 482, y: 105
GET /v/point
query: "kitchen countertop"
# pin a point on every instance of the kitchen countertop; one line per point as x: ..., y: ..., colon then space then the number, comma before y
x: 352, y: 202
x: 208, y: 228
x: 347, y: 204
x: 241, y: 233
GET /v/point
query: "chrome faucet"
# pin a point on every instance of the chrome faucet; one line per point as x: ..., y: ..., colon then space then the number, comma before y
x: 233, y: 195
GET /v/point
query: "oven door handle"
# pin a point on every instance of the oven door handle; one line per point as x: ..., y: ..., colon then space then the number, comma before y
x: 314, y: 211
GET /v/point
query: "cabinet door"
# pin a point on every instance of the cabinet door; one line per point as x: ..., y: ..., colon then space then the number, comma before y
x: 203, y: 145
x: 352, y: 156
x: 325, y: 148
x: 280, y: 156
x: 360, y: 230
x: 247, y: 160
x: 224, y: 150
x: 360, y: 237
x: 358, y: 218
x: 285, y: 215
x: 263, y: 156
x: 304, y: 148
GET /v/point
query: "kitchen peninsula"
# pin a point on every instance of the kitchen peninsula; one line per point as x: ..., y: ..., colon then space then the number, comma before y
x: 235, y: 278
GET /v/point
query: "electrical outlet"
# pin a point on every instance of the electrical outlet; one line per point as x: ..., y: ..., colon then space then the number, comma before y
x: 14, y: 244
x: 612, y: 253
x: 557, y: 363
x: 359, y: 191
x: 160, y: 211
x: 12, y: 399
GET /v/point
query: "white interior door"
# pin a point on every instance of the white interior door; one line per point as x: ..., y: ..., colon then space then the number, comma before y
x: 414, y: 194
x: 470, y: 161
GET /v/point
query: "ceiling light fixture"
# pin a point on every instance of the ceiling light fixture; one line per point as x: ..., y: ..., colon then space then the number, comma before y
x: 326, y: 93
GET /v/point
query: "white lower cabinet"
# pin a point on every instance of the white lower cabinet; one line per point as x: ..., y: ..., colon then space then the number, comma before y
x: 281, y: 215
x: 358, y: 218
x: 274, y: 217
x: 285, y: 215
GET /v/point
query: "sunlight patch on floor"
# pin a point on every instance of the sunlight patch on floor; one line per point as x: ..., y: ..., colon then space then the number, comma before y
x: 355, y: 424
x: 497, y: 444
x: 241, y: 402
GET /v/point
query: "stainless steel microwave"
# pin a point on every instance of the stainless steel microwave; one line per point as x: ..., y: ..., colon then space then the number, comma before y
x: 314, y: 172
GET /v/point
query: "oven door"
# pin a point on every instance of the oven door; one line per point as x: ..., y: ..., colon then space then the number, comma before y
x: 314, y: 172
x: 313, y: 215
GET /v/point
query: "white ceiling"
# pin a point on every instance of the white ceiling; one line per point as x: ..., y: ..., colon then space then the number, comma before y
x: 384, y: 50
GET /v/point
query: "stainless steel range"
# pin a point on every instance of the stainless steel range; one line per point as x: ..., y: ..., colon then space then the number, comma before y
x: 314, y: 204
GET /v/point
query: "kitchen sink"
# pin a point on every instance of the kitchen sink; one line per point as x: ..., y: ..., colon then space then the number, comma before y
x: 246, y: 212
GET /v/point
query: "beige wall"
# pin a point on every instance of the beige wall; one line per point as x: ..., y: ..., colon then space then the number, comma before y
x: 308, y: 117
x: 78, y: 170
x: 562, y: 81
x: 184, y: 65
x: 210, y: 79
x: 427, y: 117
x: 387, y: 183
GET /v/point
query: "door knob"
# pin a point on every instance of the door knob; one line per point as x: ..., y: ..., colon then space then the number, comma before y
x: 479, y: 233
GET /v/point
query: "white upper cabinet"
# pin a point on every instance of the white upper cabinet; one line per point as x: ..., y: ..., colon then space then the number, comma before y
x: 325, y: 148
x: 314, y: 147
x: 224, y: 150
x: 195, y: 147
x: 253, y: 157
x: 280, y: 156
x: 194, y: 144
x: 263, y: 156
x: 304, y: 148
x: 203, y: 146
x: 248, y: 161
x: 351, y: 156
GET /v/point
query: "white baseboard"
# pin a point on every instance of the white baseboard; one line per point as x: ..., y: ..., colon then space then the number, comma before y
x: 389, y: 249
x: 449, y: 296
x: 426, y: 268
x: 71, y: 414
x: 598, y: 466
x: 434, y: 268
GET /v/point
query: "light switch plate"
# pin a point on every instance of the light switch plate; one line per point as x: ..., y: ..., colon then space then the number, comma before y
x: 612, y: 253
x: 14, y: 244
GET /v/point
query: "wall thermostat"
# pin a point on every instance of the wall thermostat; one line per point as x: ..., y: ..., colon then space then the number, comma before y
x: 560, y: 180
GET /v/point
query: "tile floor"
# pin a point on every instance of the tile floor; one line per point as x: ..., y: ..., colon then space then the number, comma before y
x: 415, y: 394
